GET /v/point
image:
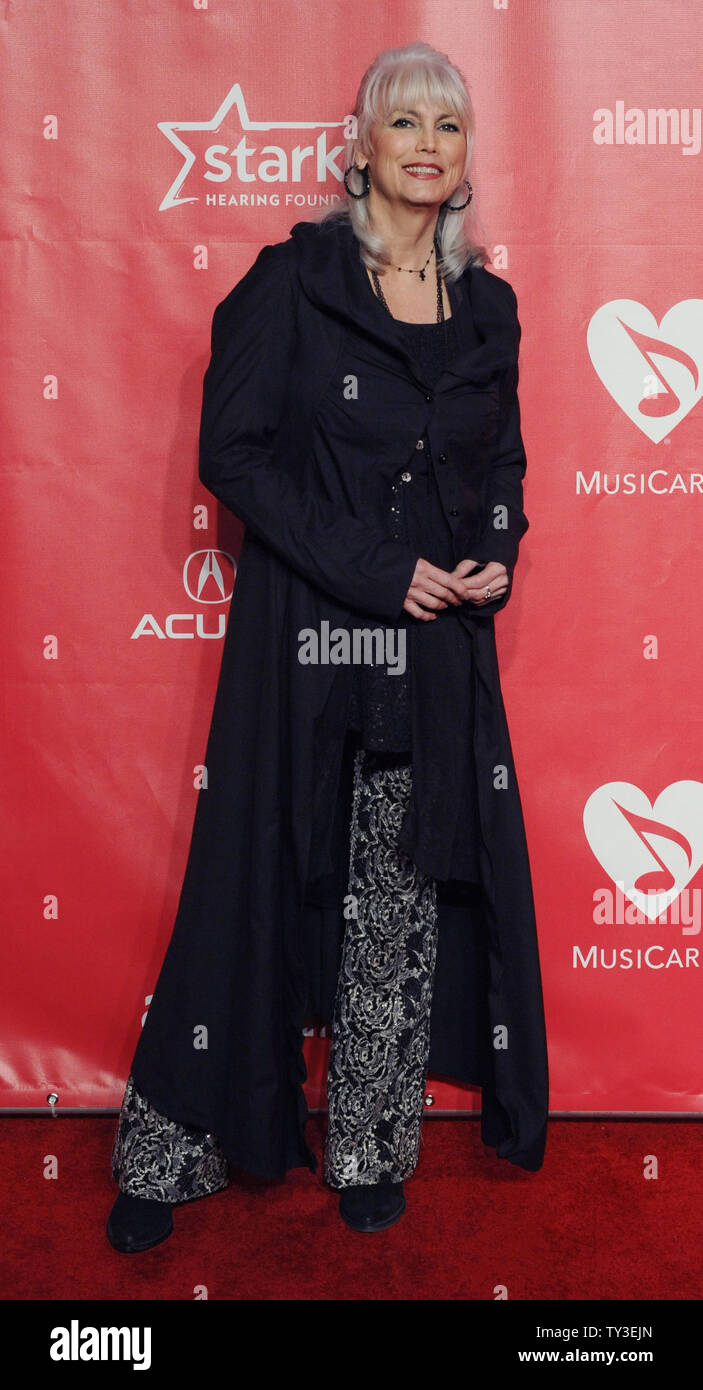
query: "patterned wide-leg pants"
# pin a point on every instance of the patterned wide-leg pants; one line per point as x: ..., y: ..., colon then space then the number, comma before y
x: 158, y: 1158
x: 381, y: 1024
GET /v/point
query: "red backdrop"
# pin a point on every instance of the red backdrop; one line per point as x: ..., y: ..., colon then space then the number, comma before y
x: 135, y: 195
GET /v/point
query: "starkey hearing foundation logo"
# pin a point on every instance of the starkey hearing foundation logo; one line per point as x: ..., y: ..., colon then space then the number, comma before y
x: 651, y: 853
x: 208, y: 579
x: 231, y: 160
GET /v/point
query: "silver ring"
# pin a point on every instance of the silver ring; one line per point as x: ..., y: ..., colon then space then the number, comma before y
x: 488, y: 591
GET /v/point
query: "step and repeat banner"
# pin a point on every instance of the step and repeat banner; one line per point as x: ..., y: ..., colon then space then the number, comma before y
x: 151, y: 148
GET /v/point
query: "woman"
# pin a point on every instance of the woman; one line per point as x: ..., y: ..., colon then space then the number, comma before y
x: 358, y: 855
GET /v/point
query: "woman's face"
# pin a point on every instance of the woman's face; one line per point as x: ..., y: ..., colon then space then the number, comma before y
x: 418, y: 156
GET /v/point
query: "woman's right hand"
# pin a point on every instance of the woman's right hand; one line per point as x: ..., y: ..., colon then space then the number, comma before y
x: 432, y: 589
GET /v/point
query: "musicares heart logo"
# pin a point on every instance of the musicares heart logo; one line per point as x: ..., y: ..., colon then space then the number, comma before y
x: 653, y: 371
x: 652, y: 852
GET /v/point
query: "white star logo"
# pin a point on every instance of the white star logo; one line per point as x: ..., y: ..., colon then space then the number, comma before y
x: 234, y: 98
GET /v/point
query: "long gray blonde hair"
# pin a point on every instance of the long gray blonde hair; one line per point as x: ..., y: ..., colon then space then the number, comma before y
x: 398, y: 78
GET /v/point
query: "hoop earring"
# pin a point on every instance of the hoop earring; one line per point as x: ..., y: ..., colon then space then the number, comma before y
x: 366, y: 177
x: 449, y: 207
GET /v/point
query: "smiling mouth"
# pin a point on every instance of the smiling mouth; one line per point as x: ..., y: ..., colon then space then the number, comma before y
x: 423, y: 171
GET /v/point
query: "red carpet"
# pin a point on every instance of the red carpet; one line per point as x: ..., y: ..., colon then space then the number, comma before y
x: 588, y: 1226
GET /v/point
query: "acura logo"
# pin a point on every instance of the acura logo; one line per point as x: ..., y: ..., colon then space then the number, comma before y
x: 208, y: 578
x: 203, y: 578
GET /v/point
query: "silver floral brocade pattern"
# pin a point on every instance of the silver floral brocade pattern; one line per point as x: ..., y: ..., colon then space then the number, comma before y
x: 381, y: 1025
x: 380, y: 1030
x: 155, y: 1157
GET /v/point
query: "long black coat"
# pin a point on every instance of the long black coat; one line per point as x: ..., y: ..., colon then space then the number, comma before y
x: 317, y: 548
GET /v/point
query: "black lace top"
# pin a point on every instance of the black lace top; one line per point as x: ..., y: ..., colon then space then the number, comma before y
x: 380, y: 703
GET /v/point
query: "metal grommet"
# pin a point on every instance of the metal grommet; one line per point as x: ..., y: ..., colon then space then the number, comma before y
x: 407, y: 477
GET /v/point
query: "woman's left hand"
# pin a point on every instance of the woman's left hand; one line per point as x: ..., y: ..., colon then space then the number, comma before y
x: 493, y: 575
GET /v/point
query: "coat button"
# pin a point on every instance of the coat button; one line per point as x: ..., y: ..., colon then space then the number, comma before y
x: 420, y: 444
x: 407, y: 477
x: 443, y: 458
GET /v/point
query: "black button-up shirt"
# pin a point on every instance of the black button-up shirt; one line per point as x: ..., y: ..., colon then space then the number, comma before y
x: 379, y: 702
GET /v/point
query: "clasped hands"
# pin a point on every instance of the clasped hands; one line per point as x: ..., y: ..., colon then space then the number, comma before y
x: 433, y: 588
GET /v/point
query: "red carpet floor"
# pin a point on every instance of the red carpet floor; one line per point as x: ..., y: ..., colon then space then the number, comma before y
x: 589, y: 1225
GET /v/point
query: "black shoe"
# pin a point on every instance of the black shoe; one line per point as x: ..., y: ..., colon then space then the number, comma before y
x: 137, y: 1223
x: 372, y: 1206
